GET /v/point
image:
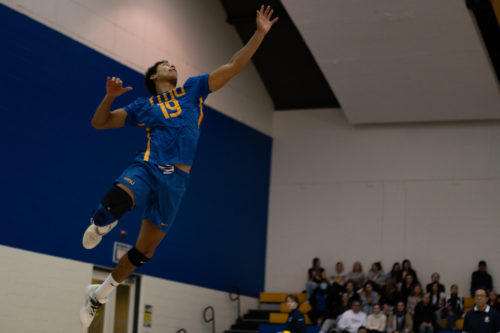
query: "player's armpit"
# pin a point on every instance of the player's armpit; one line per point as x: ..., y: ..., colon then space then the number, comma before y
x: 116, y: 119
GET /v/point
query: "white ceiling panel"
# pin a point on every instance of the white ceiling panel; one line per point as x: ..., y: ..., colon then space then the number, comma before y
x: 400, y: 60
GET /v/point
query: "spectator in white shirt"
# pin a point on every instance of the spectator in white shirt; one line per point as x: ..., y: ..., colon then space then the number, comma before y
x: 377, y: 321
x: 351, y: 320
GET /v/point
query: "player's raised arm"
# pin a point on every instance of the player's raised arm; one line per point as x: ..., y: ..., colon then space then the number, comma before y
x: 219, y: 77
x: 105, y: 118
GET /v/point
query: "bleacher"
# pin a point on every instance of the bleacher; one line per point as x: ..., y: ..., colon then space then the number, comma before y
x: 273, y: 314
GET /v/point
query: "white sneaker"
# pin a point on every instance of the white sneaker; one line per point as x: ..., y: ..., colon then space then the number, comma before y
x: 93, y: 234
x: 91, y: 305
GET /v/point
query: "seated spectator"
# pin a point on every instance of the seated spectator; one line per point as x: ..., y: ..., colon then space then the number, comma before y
x: 396, y: 273
x: 314, y: 275
x: 344, y: 303
x: 390, y: 293
x: 339, y: 275
x: 415, y: 297
x: 407, y: 269
x: 387, y: 309
x: 351, y: 320
x: 377, y: 275
x: 425, y: 316
x: 350, y: 289
x: 435, y: 278
x: 407, y: 286
x: 318, y: 303
x: 335, y: 305
x: 437, y: 299
x: 454, y: 307
x: 400, y: 321
x: 481, y: 279
x: 356, y: 275
x: 369, y: 297
x: 493, y: 301
x: 377, y: 321
x: 296, y: 323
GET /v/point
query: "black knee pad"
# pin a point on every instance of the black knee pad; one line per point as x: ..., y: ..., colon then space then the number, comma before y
x: 137, y: 258
x: 117, y: 202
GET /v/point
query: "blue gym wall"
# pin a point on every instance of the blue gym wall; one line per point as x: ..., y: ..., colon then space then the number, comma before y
x: 56, y: 167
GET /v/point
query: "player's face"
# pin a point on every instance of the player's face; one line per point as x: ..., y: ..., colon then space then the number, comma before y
x: 167, y: 71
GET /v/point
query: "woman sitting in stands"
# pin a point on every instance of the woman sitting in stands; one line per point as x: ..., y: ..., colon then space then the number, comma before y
x: 377, y: 275
x: 407, y: 269
x: 415, y: 297
x: 314, y: 276
x: 400, y: 321
x: 369, y: 297
x: 407, y: 287
x: 390, y: 293
x: 356, y: 275
x: 493, y: 301
x: 296, y: 322
x: 396, y: 273
x: 350, y: 289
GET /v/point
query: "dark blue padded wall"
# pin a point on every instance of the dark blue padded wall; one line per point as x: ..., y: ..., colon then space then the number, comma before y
x: 56, y: 167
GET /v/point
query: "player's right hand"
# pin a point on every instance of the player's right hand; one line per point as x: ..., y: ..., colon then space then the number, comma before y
x: 114, y: 87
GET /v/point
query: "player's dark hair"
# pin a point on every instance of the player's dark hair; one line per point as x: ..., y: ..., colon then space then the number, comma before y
x: 150, y: 84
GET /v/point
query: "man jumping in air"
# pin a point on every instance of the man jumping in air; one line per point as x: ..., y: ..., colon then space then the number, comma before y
x: 158, y: 176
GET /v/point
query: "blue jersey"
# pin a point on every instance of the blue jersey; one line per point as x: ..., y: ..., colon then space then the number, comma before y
x: 172, y: 121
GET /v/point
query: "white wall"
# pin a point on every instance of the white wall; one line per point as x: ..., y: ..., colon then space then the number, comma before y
x: 427, y: 192
x: 178, y: 305
x: 193, y: 34
x: 42, y: 293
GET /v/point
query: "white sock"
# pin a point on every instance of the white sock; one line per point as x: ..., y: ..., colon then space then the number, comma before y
x: 106, y: 288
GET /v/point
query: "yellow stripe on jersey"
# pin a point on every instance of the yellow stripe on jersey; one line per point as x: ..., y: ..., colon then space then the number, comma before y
x: 142, y: 124
x: 159, y: 98
x: 179, y: 94
x: 148, y: 149
x: 151, y: 101
x: 164, y: 110
x: 165, y: 96
x: 201, y: 112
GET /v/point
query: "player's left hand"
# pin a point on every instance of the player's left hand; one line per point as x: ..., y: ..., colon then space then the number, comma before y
x: 263, y: 19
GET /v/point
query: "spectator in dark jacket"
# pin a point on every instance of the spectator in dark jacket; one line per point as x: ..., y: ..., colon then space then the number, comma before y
x: 296, y: 322
x: 318, y: 302
x: 390, y: 292
x: 407, y: 287
x: 481, y: 279
x: 435, y: 279
x: 407, y: 269
x: 454, y: 307
x: 425, y: 316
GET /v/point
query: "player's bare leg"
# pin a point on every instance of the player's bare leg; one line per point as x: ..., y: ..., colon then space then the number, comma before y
x: 149, y: 238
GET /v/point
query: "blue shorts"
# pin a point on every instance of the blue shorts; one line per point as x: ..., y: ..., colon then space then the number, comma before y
x: 159, y: 188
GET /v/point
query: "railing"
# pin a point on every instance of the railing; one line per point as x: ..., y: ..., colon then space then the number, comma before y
x: 212, y: 317
x: 234, y: 295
